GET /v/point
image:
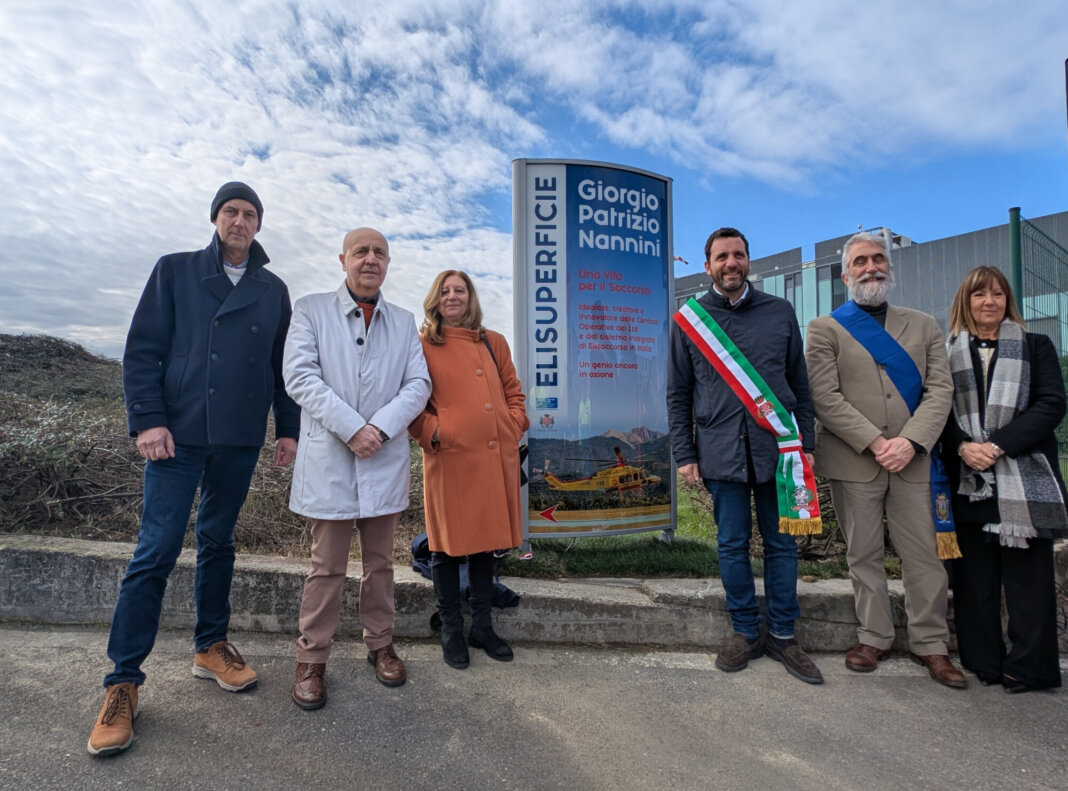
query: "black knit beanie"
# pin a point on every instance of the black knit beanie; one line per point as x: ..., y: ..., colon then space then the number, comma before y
x: 237, y: 190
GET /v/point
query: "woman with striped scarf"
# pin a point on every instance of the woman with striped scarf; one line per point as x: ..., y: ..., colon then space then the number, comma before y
x: 1000, y: 453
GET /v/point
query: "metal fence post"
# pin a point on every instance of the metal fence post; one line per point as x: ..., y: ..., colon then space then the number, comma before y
x: 1015, y: 258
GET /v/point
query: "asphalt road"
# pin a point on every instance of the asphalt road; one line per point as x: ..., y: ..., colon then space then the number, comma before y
x: 589, y: 718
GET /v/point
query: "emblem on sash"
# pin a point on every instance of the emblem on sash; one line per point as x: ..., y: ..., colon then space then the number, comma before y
x: 941, y: 506
x: 801, y: 497
x: 763, y: 405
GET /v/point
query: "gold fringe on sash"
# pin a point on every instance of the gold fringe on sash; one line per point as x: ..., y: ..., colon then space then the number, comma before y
x: 947, y: 545
x: 807, y: 527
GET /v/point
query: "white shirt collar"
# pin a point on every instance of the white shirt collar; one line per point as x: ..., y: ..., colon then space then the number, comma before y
x: 732, y: 301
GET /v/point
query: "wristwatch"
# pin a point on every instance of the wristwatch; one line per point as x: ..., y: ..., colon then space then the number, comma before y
x: 997, y: 449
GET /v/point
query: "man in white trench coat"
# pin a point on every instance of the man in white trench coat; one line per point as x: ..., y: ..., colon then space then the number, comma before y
x: 354, y: 364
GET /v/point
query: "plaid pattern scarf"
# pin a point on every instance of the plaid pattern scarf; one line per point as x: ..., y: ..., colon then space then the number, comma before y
x: 1027, y: 492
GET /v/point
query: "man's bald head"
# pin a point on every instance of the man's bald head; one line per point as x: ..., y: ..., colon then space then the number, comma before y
x: 355, y: 233
x: 365, y: 260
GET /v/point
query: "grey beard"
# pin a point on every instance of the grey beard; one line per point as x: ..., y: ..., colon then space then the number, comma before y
x: 873, y: 292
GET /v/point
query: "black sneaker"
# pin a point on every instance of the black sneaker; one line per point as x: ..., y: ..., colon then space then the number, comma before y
x: 794, y: 659
x: 737, y: 652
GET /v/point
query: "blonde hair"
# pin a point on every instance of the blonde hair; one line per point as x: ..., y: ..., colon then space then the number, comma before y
x: 472, y: 318
x: 960, y: 314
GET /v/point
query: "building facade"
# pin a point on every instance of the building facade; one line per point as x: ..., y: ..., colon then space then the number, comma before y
x: 927, y: 273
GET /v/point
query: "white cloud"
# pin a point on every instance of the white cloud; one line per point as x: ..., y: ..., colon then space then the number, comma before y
x: 120, y: 121
x: 779, y: 90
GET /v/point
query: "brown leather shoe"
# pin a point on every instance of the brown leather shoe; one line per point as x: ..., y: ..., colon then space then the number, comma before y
x: 389, y: 669
x: 941, y: 669
x: 864, y: 658
x: 309, y: 691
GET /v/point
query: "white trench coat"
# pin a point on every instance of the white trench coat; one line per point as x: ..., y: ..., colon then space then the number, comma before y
x: 344, y: 377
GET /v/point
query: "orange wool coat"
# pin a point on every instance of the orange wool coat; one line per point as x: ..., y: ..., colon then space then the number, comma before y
x: 471, y: 479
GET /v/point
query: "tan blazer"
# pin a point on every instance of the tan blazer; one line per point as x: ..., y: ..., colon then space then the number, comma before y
x: 855, y: 401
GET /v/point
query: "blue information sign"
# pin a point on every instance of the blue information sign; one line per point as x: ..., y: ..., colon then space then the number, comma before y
x: 593, y: 298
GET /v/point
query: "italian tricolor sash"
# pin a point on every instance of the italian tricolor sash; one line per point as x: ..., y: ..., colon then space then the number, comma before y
x: 799, y: 509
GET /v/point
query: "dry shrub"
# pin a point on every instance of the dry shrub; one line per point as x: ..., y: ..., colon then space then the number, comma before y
x: 64, y: 470
x: 69, y: 468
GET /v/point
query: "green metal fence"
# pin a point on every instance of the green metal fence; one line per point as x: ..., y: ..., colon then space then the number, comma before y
x: 1044, y: 288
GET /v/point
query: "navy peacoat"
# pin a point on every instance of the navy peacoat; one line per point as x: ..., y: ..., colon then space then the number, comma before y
x: 204, y: 357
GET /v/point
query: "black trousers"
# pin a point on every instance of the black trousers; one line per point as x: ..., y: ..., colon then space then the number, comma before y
x: 1027, y: 576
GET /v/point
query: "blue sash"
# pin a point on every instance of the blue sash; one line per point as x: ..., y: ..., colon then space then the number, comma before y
x: 877, y: 342
x: 908, y: 380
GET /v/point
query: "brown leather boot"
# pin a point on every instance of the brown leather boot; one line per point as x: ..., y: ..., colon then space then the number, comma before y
x: 309, y: 691
x: 389, y: 669
x: 864, y: 658
x: 941, y: 669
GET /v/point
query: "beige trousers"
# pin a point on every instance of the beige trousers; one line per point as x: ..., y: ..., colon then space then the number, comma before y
x: 907, y: 506
x: 320, y: 606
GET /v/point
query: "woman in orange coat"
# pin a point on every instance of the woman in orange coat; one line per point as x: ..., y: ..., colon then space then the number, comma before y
x: 470, y: 435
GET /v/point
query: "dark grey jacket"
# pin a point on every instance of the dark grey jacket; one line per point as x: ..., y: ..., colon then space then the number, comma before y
x: 765, y: 330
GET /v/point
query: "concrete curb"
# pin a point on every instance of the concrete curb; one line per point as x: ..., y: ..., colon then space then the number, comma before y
x: 70, y: 581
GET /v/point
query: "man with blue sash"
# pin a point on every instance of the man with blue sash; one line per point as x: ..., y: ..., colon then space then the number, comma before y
x: 882, y: 389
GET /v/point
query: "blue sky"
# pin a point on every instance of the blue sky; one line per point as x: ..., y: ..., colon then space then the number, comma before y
x: 794, y: 122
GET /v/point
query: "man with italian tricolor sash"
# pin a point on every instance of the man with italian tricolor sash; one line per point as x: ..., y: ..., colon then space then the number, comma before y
x: 882, y: 389
x: 741, y: 423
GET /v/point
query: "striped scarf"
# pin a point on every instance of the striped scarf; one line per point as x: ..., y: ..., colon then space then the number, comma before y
x: 1027, y: 492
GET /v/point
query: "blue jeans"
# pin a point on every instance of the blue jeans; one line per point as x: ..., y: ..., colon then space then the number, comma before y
x: 223, y: 475
x: 734, y: 523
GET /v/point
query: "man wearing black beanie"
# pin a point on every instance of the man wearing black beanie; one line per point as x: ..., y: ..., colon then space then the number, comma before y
x: 241, y: 191
x: 202, y: 368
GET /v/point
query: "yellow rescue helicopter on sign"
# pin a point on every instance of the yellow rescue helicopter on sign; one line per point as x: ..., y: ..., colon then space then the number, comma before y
x: 619, y: 476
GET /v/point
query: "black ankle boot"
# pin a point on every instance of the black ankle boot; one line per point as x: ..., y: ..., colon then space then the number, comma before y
x: 495, y: 647
x: 480, y: 572
x: 453, y: 648
x: 445, y: 571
